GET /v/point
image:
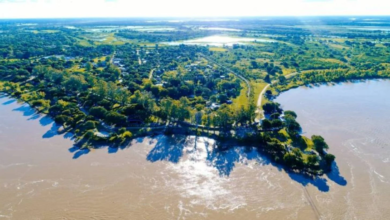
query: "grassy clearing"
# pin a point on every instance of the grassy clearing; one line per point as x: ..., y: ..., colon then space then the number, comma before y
x: 308, y: 142
x: 339, y: 40
x: 242, y: 99
x: 263, y: 60
x: 111, y: 39
x: 338, y: 46
x: 50, y: 31
x: 76, y: 68
x: 331, y: 60
x: 217, y: 49
x: 84, y: 43
x: 267, y: 53
x: 97, y: 59
x: 287, y: 71
x: 10, y: 60
x: 380, y: 46
x: 257, y: 88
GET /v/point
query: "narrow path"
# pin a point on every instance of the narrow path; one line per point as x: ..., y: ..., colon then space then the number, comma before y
x: 151, y: 73
x: 112, y: 58
x: 229, y: 70
x: 291, y: 75
x: 260, y: 99
x: 139, y: 58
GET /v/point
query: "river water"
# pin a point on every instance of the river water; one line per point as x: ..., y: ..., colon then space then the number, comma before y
x: 42, y: 176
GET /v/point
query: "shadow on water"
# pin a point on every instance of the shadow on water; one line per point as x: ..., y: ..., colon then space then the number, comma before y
x: 225, y: 160
x: 45, y: 120
x: 335, y: 176
x: 9, y: 102
x: 319, y: 182
x: 168, y: 149
x: 26, y: 110
x: 34, y: 117
x: 112, y: 150
x: 77, y: 152
x: 171, y: 149
x: 52, y: 132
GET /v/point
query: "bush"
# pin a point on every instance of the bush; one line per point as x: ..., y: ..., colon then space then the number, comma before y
x: 63, y: 119
x: 319, y: 143
x: 98, y: 112
x: 127, y: 134
x: 89, y: 134
x: 329, y: 158
x: 115, y: 118
x: 291, y: 113
x: 271, y: 107
x: 40, y: 102
x: 89, y: 125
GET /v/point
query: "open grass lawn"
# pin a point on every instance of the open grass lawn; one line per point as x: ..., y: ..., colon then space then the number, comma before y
x: 338, y: 46
x: 308, y: 142
x: 287, y: 71
x: 217, y: 49
x: 84, y: 43
x: 99, y: 58
x: 76, y: 68
x: 332, y: 60
x: 257, y: 88
x: 243, y: 100
x: 111, y: 39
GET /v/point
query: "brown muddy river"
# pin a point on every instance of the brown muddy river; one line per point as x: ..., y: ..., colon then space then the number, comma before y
x: 42, y: 176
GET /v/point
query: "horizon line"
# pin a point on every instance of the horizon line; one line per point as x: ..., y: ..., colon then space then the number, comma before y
x: 194, y: 17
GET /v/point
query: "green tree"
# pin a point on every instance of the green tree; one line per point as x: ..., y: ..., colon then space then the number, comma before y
x: 290, y: 113
x: 266, y: 124
x: 88, y: 66
x: 74, y: 83
x: 98, y: 112
x: 319, y: 143
x: 115, y: 118
x: 312, y: 160
x: 329, y: 158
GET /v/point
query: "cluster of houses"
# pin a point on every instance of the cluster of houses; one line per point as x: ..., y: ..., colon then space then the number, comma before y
x: 157, y: 76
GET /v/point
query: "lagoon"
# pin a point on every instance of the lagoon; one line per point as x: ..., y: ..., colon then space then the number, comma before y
x: 220, y: 40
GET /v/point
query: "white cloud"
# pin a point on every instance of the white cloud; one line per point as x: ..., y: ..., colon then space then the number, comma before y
x: 181, y: 8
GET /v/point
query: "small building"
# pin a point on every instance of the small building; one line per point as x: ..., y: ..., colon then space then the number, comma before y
x: 214, y: 106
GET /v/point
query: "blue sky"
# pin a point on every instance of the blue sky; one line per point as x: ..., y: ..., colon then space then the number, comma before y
x: 184, y: 8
